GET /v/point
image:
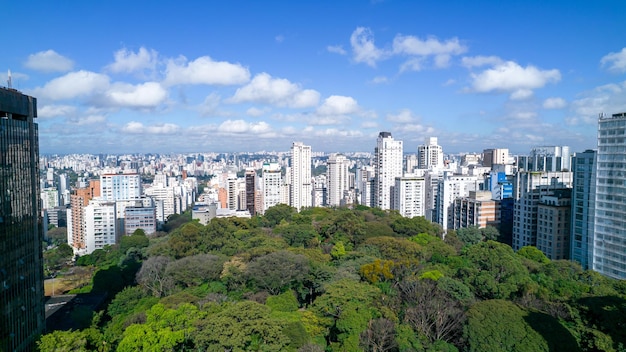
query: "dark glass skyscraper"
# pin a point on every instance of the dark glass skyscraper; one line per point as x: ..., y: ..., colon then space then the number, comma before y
x: 21, y: 274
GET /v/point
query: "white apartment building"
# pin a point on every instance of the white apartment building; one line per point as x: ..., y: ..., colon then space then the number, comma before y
x: 411, y: 163
x: 387, y: 166
x: 120, y: 186
x: 165, y: 201
x: 100, y: 224
x: 301, y: 187
x: 430, y: 154
x: 337, y: 177
x: 49, y: 198
x: 233, y: 193
x: 409, y: 196
x: 450, y: 188
x: 272, y: 185
x: 365, y: 185
x: 320, y: 191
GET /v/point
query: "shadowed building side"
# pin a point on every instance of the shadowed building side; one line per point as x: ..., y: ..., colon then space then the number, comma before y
x: 22, y: 316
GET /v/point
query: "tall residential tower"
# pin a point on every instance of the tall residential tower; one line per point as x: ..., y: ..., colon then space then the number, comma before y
x: 429, y: 154
x: 609, y: 242
x: 301, y: 176
x: 337, y: 178
x: 387, y: 166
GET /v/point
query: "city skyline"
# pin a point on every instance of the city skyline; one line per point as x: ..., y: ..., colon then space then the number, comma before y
x: 120, y: 77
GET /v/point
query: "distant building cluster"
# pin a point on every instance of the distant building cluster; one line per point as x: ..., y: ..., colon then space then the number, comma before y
x: 98, y: 211
x: 568, y: 205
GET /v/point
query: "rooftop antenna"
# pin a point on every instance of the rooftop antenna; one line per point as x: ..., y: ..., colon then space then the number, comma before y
x: 9, y: 80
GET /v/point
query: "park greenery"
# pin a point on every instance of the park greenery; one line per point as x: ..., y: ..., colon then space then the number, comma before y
x: 340, y: 279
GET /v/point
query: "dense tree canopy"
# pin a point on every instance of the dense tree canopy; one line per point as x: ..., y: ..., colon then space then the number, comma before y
x: 340, y: 279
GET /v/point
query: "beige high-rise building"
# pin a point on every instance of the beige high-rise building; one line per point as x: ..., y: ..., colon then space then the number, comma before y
x: 495, y: 157
x: 478, y: 209
x: 553, y: 224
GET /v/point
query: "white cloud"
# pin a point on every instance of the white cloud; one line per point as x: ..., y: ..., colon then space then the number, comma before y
x: 380, y: 79
x: 49, y: 61
x: 204, y: 70
x: 55, y: 110
x: 334, y: 132
x: 210, y: 104
x: 413, y: 64
x: 615, y: 62
x: 417, y: 50
x: 369, y: 124
x: 363, y: 47
x: 145, y: 95
x: 87, y: 120
x: 404, y: 116
x: 74, y: 84
x: 414, y: 46
x: 256, y: 112
x: 324, y: 120
x: 442, y: 61
x: 521, y: 94
x: 338, y: 105
x: 416, y: 128
x: 337, y: 49
x: 554, y: 103
x: 134, y: 127
x: 477, y: 61
x: 277, y: 91
x: 524, y: 115
x: 241, y: 126
x: 511, y: 77
x: 608, y: 98
x: 128, y: 61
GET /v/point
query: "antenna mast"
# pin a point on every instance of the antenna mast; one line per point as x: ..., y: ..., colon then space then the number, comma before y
x: 9, y: 80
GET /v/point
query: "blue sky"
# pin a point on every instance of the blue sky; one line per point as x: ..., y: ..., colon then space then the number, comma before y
x: 201, y: 76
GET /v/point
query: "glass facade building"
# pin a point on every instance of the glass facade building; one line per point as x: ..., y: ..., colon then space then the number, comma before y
x: 609, y: 238
x: 21, y: 273
x: 583, y: 199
